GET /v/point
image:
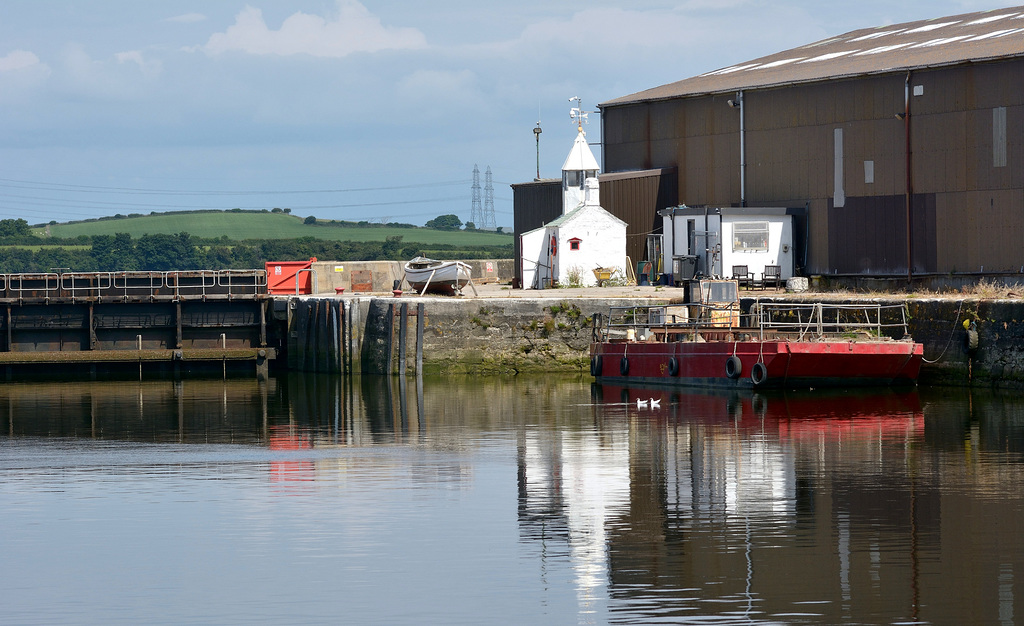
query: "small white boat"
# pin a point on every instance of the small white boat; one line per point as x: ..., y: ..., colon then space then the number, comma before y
x: 444, y: 277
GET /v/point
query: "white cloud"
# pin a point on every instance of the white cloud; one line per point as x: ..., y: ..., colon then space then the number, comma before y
x: 148, y: 68
x: 109, y: 80
x: 353, y: 29
x: 21, y: 73
x: 187, y: 18
x: 21, y: 60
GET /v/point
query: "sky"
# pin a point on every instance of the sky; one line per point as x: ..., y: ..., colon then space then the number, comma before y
x: 373, y: 110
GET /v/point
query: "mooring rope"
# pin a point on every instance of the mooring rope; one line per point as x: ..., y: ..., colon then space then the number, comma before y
x: 955, y: 323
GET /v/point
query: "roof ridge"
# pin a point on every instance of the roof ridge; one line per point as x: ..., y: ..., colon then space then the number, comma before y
x: 933, y: 42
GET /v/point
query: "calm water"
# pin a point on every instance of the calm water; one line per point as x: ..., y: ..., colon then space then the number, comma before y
x: 506, y: 501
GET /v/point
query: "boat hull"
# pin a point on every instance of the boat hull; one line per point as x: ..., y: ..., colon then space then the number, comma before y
x: 447, y: 278
x: 758, y: 364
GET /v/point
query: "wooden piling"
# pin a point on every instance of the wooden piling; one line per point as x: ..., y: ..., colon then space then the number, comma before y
x: 419, y: 338
x: 403, y: 333
x: 346, y: 343
x: 322, y: 339
x: 390, y: 347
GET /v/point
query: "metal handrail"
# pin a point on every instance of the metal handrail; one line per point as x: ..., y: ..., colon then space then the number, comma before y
x: 200, y: 283
x: 125, y: 276
x: 98, y: 281
x: 820, y: 319
x: 805, y: 320
x: 207, y: 279
x: 312, y: 282
x: 224, y: 279
x: 46, y: 287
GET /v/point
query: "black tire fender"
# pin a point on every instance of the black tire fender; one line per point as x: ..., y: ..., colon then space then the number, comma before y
x: 595, y: 365
x: 733, y: 367
x: 624, y: 366
x: 673, y: 366
x: 758, y: 373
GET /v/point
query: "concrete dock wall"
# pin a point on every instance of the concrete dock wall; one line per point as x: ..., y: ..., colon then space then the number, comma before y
x: 549, y: 334
x: 998, y: 359
x: 512, y: 335
x: 380, y: 276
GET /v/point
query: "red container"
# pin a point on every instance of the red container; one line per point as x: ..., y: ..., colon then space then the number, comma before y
x: 288, y: 277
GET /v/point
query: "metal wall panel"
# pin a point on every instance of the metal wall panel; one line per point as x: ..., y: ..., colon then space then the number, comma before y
x: 790, y: 156
x: 533, y: 205
x: 636, y: 198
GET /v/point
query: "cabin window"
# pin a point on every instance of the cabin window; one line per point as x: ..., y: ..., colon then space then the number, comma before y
x: 750, y: 237
x: 574, y: 243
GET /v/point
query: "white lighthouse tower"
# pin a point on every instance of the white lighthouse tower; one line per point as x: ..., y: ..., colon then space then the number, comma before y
x: 579, y: 165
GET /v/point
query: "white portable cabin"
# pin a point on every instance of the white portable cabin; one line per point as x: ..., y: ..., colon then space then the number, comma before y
x: 713, y: 240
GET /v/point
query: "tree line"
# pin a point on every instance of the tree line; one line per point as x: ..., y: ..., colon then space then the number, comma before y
x: 20, y: 252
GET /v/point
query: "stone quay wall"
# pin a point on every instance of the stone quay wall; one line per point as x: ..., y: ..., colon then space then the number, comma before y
x: 491, y: 336
x: 549, y: 333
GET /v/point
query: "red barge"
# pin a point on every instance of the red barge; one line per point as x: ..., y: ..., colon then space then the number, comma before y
x: 711, y: 343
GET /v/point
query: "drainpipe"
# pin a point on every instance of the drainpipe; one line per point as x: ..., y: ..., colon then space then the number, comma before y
x: 910, y: 180
x: 743, y: 151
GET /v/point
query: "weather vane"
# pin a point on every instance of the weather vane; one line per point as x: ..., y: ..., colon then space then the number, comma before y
x: 577, y: 114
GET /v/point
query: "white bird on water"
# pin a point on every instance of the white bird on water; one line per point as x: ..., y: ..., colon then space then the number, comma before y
x: 641, y: 404
x: 655, y: 403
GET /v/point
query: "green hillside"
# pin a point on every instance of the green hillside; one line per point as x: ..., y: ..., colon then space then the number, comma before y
x: 239, y: 226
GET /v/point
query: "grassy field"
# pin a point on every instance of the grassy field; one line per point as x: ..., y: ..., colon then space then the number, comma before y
x: 238, y: 226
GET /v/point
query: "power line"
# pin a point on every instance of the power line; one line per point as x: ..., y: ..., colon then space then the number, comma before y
x: 37, y: 201
x: 48, y: 186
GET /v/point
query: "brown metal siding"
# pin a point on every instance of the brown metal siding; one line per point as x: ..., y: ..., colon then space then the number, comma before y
x: 868, y: 233
x: 971, y: 210
x: 635, y: 198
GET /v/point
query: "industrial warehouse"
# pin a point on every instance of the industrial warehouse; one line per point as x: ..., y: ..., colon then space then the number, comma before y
x: 896, y: 150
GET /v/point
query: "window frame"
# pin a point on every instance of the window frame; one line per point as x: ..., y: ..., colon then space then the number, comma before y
x: 752, y: 229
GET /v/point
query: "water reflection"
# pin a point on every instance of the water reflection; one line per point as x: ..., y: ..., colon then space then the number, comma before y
x: 589, y: 503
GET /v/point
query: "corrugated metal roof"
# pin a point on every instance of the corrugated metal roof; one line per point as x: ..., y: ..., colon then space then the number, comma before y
x: 981, y: 36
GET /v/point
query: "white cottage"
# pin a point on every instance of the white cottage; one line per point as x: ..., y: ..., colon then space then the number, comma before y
x: 586, y: 237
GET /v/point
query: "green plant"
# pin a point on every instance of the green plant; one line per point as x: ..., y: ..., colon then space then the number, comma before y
x: 575, y: 278
x: 549, y: 327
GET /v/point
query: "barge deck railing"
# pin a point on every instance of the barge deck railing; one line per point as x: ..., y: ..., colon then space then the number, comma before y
x: 765, y: 321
